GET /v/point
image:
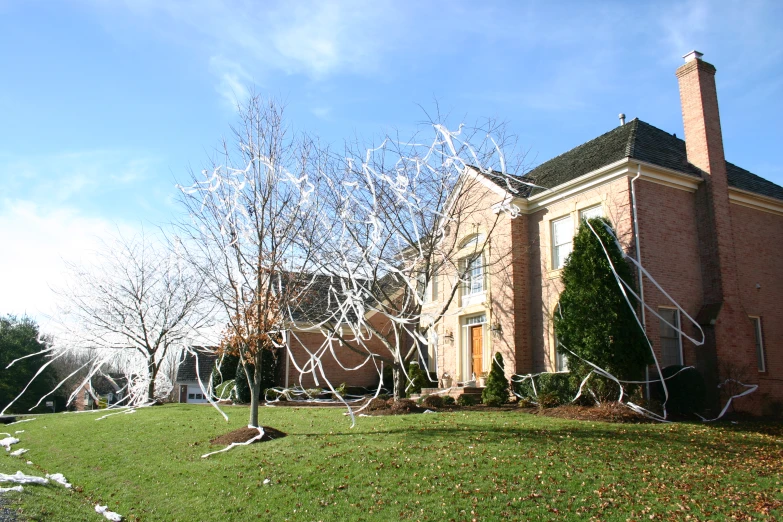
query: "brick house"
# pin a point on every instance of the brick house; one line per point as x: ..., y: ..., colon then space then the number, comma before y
x: 710, y: 232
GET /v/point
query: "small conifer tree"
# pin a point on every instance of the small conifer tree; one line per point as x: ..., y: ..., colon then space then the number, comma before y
x: 418, y: 378
x: 496, y: 391
x: 593, y: 319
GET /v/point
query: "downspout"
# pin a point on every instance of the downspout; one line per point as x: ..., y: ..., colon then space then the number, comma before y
x: 639, y: 266
x: 287, y: 342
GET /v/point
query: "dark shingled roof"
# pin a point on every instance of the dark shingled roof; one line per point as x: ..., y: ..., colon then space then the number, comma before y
x: 105, y: 384
x: 187, y: 369
x: 321, y: 298
x: 641, y: 141
x: 744, y: 180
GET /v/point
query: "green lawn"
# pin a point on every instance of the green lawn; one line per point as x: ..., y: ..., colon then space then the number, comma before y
x: 461, y: 466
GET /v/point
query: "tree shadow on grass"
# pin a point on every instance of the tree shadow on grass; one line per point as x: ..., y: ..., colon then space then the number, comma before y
x: 632, y: 437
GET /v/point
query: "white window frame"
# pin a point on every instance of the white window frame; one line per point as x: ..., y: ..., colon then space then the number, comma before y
x: 677, y: 329
x: 433, y: 293
x: 584, y: 211
x: 470, y: 277
x: 759, y: 338
x: 558, y: 260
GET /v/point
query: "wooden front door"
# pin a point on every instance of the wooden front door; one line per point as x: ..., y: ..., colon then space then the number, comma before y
x: 476, y: 337
x: 183, y: 393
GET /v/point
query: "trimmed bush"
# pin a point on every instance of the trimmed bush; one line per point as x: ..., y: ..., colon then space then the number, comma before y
x: 496, y: 391
x: 241, y: 388
x: 433, y: 401
x: 558, y: 388
x: 687, y: 391
x: 593, y: 318
x: 270, y: 364
x: 226, y: 390
x: 417, y: 378
x: 448, y: 400
x: 466, y: 400
x: 225, y: 370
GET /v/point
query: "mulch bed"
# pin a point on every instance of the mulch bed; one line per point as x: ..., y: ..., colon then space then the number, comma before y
x: 245, y: 434
x: 303, y: 404
x: 606, y: 412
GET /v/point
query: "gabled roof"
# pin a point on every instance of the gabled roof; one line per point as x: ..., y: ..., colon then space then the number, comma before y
x: 187, y: 369
x: 640, y: 141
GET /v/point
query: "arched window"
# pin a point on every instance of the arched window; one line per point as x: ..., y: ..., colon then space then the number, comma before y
x: 473, y: 241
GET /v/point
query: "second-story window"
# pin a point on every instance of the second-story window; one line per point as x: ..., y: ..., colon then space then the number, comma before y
x: 474, y: 276
x: 562, y: 241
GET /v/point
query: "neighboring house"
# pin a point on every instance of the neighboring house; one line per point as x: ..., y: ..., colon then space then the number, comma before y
x: 102, y: 390
x: 710, y: 232
x: 341, y: 365
x: 193, y: 375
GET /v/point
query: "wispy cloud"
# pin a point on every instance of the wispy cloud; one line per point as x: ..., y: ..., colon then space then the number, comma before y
x: 62, y: 177
x: 247, y: 41
x: 232, y: 80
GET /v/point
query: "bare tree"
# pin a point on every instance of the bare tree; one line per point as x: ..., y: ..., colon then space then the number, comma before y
x: 403, y: 209
x: 250, y: 231
x: 130, y: 307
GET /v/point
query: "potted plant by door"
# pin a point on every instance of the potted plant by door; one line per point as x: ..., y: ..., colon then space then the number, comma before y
x: 446, y: 380
x: 482, y: 379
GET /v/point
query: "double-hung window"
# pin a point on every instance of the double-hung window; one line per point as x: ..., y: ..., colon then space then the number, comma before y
x: 562, y: 241
x: 474, y: 276
x: 759, y: 343
x: 671, y: 342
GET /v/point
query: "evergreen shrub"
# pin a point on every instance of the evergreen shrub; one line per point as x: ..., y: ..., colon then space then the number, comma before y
x: 466, y: 400
x: 432, y: 401
x: 593, y: 319
x: 495, y: 392
x: 418, y: 378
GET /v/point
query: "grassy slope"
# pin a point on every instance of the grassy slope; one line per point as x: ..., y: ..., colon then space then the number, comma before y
x: 437, y: 467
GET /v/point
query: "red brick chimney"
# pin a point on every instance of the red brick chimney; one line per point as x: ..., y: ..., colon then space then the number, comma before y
x: 704, y: 148
x: 729, y: 338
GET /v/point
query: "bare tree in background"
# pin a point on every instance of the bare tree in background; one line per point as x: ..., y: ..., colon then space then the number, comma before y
x: 251, y: 231
x: 133, y: 305
x: 401, y: 210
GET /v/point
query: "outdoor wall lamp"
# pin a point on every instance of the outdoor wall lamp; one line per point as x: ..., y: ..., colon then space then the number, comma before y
x: 449, y: 336
x: 496, y: 329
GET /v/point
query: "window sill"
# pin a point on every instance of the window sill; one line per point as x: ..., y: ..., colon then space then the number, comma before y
x: 473, y: 299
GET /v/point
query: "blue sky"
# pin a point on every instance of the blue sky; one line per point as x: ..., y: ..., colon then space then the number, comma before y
x: 105, y: 104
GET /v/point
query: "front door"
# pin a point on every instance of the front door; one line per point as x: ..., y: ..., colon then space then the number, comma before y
x: 183, y: 393
x: 476, y: 336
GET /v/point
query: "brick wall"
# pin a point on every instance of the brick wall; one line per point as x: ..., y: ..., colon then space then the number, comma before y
x: 759, y: 249
x: 332, y: 363
x: 668, y: 240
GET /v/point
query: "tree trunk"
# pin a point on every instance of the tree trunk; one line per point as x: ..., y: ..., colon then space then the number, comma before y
x: 152, y: 371
x: 255, y: 389
x: 399, y: 382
